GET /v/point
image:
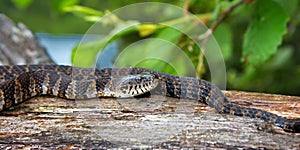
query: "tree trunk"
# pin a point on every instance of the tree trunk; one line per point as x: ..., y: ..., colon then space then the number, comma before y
x: 18, y: 45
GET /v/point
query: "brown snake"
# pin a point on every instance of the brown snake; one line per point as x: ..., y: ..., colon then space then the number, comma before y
x: 19, y: 83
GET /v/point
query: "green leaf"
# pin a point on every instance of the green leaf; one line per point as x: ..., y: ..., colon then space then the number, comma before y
x: 223, y: 36
x: 147, y: 28
x: 158, y: 47
x: 88, y: 14
x: 59, y: 5
x: 290, y: 7
x: 158, y: 53
x: 22, y: 4
x: 255, y: 79
x: 265, y: 32
x: 85, y: 54
x: 81, y: 10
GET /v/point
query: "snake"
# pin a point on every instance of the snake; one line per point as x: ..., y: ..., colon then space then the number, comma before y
x: 19, y: 83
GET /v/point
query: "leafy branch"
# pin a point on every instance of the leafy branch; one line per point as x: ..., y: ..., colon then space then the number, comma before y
x: 205, y: 37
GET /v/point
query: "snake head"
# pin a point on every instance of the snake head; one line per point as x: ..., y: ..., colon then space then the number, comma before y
x: 134, y: 85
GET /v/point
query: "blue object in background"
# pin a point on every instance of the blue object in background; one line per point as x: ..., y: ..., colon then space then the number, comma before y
x: 60, y: 48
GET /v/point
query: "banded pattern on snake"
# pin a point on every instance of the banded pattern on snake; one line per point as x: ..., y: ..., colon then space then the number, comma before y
x: 20, y: 82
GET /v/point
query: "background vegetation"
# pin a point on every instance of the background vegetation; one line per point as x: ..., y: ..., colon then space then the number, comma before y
x: 259, y: 38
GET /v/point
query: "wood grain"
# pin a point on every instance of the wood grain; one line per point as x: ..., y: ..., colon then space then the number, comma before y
x: 152, y: 122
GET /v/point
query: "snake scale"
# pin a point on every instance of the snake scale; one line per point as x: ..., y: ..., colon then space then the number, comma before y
x: 22, y: 82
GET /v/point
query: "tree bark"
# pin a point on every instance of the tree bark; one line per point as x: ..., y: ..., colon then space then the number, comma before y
x: 152, y: 122
x: 18, y: 45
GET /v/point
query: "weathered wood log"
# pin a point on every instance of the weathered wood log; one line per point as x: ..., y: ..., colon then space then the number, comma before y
x: 153, y: 122
x: 18, y: 45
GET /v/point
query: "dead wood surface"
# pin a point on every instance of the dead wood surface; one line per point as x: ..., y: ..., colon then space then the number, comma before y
x: 145, y: 123
x: 18, y: 45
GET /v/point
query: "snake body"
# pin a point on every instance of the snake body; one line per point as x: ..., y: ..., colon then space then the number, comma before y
x: 20, y: 82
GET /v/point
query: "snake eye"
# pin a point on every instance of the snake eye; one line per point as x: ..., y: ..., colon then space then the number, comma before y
x: 138, y: 79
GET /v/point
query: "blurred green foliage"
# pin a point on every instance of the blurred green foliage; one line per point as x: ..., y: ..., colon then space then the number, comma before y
x: 259, y: 39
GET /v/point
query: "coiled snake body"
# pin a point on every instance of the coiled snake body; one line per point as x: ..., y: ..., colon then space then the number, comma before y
x: 19, y: 83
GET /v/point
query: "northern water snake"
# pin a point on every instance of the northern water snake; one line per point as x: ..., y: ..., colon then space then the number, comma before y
x: 19, y: 83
